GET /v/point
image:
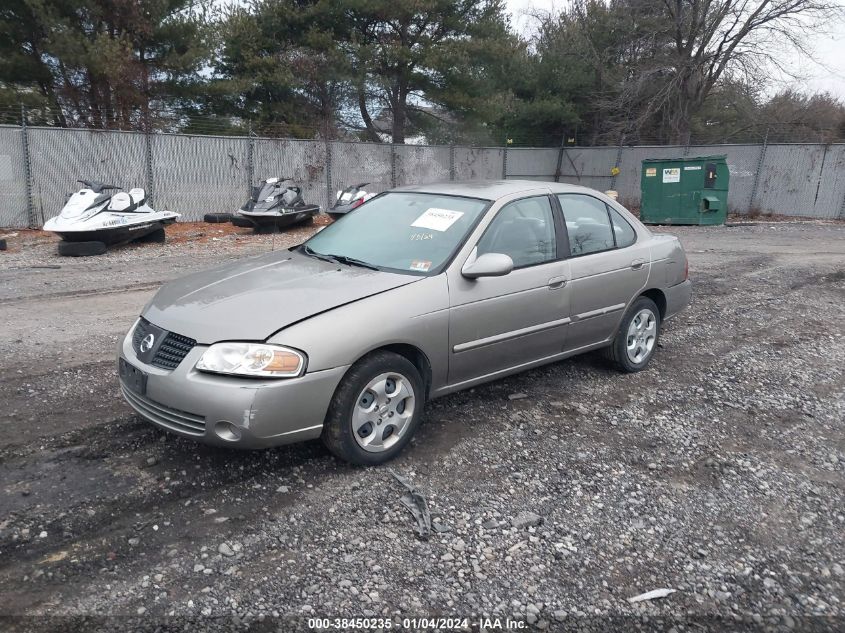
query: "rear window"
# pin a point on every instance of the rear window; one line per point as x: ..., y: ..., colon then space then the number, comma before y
x: 625, y: 233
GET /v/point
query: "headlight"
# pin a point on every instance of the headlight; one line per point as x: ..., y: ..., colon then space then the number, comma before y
x: 252, y: 359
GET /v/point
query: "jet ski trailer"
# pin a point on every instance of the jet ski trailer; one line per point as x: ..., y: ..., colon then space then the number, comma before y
x: 275, y: 205
x: 94, y: 218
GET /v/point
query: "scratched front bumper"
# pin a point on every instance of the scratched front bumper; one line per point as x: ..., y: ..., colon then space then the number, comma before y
x: 266, y: 412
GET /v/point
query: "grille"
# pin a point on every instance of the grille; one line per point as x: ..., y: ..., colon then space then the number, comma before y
x: 169, y: 353
x: 172, y: 350
x: 171, y: 419
x: 139, y: 333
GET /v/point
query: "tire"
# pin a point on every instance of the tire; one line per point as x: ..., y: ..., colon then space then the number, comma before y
x: 217, y: 218
x: 645, y: 343
x: 2, y: 245
x: 347, y: 409
x: 156, y: 237
x: 243, y: 223
x: 81, y: 249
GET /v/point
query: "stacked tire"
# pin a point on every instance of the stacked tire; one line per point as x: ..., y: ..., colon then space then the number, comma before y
x: 81, y: 249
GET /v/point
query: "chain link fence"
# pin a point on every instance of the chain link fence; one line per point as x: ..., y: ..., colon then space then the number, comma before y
x: 198, y: 174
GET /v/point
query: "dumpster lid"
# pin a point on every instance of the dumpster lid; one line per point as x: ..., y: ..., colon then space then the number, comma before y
x: 684, y: 159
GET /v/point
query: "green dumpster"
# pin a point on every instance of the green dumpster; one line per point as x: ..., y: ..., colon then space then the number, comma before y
x: 684, y: 190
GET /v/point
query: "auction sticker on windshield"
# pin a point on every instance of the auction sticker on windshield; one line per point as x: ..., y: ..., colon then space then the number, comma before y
x: 437, y: 219
x: 420, y: 265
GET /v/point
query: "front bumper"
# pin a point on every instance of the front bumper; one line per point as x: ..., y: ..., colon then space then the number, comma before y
x: 677, y: 298
x: 230, y: 411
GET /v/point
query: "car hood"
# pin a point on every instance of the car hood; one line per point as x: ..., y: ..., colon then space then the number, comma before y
x: 251, y: 299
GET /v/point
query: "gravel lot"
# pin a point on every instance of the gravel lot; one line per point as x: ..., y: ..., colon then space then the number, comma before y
x: 558, y: 494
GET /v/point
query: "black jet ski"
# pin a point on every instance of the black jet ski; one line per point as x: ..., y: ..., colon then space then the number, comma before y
x: 275, y: 205
x: 349, y: 199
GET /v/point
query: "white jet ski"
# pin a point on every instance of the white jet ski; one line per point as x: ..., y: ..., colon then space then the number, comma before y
x: 93, y: 218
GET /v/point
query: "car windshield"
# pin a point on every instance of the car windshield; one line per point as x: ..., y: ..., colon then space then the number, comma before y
x: 408, y: 232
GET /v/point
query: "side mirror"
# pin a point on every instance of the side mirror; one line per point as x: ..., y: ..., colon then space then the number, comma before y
x: 487, y: 265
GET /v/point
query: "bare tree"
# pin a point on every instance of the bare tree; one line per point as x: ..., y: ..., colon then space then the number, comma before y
x: 702, y: 42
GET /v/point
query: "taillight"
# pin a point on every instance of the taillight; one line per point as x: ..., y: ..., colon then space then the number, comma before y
x: 357, y: 203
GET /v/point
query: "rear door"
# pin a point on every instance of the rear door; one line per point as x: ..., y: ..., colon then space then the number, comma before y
x: 608, y: 267
x: 497, y: 323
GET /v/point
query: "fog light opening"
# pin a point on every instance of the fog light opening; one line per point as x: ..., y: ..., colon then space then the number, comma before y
x: 227, y: 431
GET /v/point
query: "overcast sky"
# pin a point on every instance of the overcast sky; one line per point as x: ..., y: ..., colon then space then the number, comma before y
x: 829, y: 49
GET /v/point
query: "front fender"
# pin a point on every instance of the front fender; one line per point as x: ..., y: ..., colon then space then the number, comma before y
x: 416, y: 314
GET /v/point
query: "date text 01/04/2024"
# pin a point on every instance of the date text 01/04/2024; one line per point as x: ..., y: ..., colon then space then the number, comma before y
x: 416, y: 624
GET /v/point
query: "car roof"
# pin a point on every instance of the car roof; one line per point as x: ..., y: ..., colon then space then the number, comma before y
x: 492, y: 189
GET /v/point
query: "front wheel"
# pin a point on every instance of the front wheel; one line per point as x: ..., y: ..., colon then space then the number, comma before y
x: 375, y: 410
x: 637, y: 337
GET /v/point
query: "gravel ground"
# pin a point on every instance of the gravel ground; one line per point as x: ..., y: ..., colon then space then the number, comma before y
x: 557, y: 494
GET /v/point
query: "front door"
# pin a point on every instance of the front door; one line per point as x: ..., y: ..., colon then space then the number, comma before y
x: 498, y: 323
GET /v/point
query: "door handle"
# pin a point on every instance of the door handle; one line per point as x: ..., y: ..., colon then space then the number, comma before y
x: 637, y: 264
x: 557, y: 282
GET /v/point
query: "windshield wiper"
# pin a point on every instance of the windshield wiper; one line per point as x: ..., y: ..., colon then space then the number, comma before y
x: 351, y: 261
x: 340, y: 259
x: 310, y: 251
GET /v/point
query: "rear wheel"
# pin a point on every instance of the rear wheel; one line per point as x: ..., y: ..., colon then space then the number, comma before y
x: 637, y: 338
x: 217, y: 218
x: 375, y: 410
x: 81, y: 249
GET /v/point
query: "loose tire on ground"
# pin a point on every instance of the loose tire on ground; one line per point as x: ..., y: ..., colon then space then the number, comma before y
x: 217, y: 218
x: 643, y: 338
x: 243, y: 223
x: 2, y: 245
x: 81, y: 249
x: 338, y: 432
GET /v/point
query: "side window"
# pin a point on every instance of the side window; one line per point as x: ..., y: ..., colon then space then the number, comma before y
x: 625, y: 233
x: 587, y: 223
x: 524, y: 230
